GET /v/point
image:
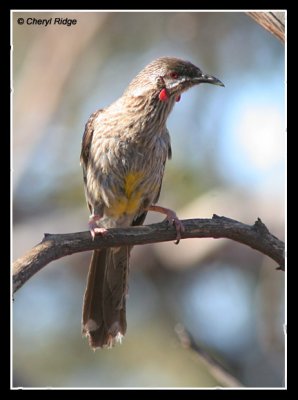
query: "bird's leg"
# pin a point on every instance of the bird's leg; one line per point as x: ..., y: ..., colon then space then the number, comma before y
x: 94, y: 228
x: 171, y: 217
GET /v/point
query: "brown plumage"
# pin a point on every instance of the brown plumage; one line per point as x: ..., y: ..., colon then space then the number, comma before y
x: 124, y: 150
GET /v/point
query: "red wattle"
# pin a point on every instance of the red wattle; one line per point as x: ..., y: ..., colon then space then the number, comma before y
x: 163, y: 95
x: 178, y: 97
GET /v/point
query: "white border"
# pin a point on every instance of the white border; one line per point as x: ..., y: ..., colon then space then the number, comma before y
x: 11, y: 215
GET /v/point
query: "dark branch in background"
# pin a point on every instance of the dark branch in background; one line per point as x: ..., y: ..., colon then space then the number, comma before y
x: 56, y: 246
x: 273, y: 22
x: 215, y: 368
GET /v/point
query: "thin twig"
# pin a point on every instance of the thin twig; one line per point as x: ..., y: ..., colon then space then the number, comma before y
x: 215, y: 368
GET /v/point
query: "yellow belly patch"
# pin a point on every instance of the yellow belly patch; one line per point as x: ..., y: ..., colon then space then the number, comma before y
x: 130, y: 202
x: 131, y: 182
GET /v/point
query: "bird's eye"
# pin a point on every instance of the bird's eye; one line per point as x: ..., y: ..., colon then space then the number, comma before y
x: 174, y: 75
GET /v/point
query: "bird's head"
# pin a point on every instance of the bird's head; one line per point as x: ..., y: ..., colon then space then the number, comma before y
x: 169, y: 77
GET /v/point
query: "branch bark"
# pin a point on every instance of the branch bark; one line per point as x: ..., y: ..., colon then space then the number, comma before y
x: 274, y: 22
x: 55, y: 246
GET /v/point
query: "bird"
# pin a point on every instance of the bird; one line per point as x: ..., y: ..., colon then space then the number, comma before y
x: 125, y: 147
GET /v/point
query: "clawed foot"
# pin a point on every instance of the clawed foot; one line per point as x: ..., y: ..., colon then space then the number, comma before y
x: 94, y: 228
x: 174, y: 220
x: 171, y: 218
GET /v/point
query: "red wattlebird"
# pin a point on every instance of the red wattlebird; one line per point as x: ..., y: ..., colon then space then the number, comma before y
x: 124, y: 150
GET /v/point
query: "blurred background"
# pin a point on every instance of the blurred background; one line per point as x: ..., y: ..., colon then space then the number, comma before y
x: 228, y: 159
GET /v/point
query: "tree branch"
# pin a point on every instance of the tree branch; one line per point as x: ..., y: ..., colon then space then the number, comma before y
x: 215, y: 368
x: 55, y: 246
x: 273, y: 22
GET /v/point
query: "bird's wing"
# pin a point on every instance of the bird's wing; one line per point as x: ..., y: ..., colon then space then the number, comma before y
x: 85, y: 151
x: 139, y: 219
x: 164, y: 164
x: 169, y: 151
x: 87, y: 139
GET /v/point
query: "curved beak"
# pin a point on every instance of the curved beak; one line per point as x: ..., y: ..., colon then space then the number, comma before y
x: 205, y: 78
